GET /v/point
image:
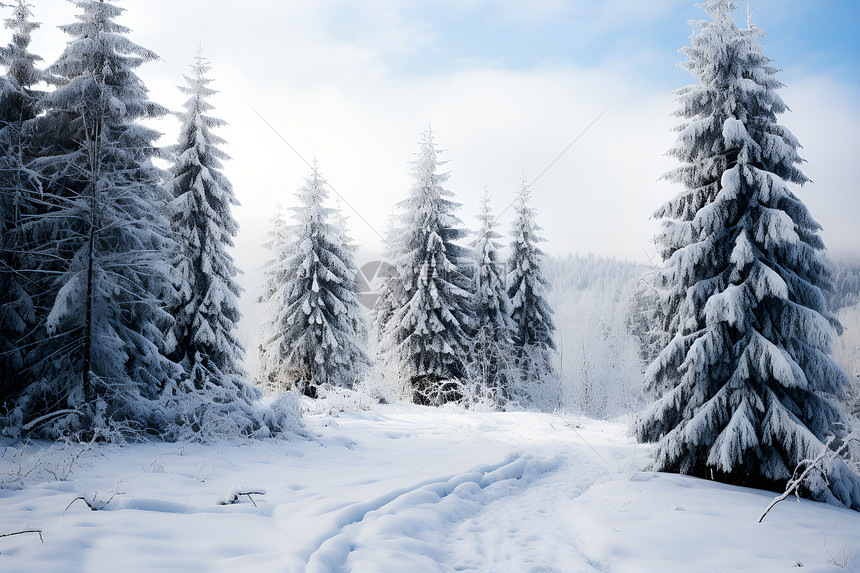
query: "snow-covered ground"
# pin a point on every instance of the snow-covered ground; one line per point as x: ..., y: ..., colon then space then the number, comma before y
x: 403, y: 489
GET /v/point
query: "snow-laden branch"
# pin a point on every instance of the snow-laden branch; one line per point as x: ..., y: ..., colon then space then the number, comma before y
x: 32, y: 424
x: 811, y: 465
x: 236, y: 493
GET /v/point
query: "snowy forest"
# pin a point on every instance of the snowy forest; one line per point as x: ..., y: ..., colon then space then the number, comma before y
x: 732, y: 357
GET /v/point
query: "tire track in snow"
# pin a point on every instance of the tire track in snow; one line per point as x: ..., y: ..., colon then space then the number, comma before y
x: 390, y: 528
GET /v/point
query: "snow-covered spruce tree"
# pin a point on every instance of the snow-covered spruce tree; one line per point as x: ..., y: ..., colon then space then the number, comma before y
x: 744, y: 380
x: 101, y: 239
x: 20, y: 63
x: 18, y: 107
x: 527, y: 286
x: 387, y: 368
x: 357, y: 312
x: 390, y: 293
x: 205, y: 305
x: 491, y: 348
x: 316, y: 333
x: 425, y: 337
x: 272, y: 364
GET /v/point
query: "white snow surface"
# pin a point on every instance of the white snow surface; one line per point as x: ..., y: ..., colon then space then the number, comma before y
x: 402, y: 488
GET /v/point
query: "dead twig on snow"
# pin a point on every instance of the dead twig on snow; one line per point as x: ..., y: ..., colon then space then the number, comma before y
x: 36, y: 531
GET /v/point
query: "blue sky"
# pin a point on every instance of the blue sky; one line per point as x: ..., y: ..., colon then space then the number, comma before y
x: 803, y: 36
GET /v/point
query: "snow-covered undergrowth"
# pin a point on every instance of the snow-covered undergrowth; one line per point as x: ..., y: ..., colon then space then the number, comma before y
x: 332, y: 400
x: 400, y: 488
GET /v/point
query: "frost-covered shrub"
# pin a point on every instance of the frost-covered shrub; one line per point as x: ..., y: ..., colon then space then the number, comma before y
x: 382, y: 388
x: 34, y: 462
x: 281, y: 415
x: 492, y: 374
x: 212, y: 415
x: 333, y: 399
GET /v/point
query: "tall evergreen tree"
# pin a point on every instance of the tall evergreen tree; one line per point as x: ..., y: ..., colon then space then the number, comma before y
x: 744, y: 380
x: 18, y: 108
x: 273, y: 362
x: 527, y: 286
x: 425, y: 336
x: 492, y: 348
x: 20, y: 63
x: 316, y: 331
x: 390, y: 290
x: 205, y: 307
x: 101, y: 238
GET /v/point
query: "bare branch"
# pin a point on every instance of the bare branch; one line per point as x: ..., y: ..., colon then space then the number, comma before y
x: 794, y: 483
x: 36, y: 531
x: 83, y: 499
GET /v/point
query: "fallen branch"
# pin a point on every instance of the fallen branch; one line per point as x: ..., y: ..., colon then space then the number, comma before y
x: 36, y: 531
x: 233, y: 497
x: 32, y: 424
x: 794, y: 483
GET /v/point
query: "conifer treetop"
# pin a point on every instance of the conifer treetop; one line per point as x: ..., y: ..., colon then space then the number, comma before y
x: 197, y: 86
x: 20, y: 63
x: 490, y: 292
x: 101, y: 57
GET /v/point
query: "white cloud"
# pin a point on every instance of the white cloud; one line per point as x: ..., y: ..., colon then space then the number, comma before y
x: 826, y: 120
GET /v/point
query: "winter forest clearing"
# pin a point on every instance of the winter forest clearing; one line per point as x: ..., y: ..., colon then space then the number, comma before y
x: 469, y: 397
x: 406, y: 488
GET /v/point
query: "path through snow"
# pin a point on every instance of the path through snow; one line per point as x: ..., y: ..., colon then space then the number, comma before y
x: 404, y: 489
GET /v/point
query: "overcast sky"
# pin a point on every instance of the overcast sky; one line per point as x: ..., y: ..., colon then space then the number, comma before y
x: 506, y: 84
